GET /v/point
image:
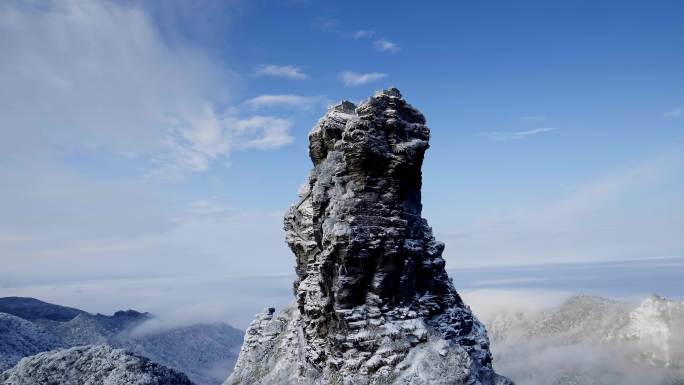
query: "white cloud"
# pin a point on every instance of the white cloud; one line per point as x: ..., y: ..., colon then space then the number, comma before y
x: 87, y: 108
x: 264, y: 132
x: 209, y: 136
x: 105, y: 84
x: 362, y: 33
x: 288, y: 100
x: 535, y: 118
x: 506, y: 136
x: 353, y: 79
x: 208, y: 208
x: 198, y: 140
x: 121, y: 90
x: 674, y: 114
x: 385, y: 45
x: 286, y: 71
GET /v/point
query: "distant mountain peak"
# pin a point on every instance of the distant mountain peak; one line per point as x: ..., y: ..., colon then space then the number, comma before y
x: 129, y: 312
x: 34, y: 309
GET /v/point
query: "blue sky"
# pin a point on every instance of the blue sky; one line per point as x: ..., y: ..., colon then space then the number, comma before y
x: 167, y: 138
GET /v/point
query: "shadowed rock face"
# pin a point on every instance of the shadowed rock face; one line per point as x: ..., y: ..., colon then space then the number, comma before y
x: 358, y: 234
x: 365, y: 208
x: 371, y: 287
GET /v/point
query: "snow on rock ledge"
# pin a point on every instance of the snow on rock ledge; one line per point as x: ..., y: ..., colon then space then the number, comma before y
x: 91, y: 365
x: 374, y: 304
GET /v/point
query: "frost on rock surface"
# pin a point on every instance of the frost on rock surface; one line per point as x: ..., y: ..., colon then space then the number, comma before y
x: 91, y: 365
x: 374, y: 304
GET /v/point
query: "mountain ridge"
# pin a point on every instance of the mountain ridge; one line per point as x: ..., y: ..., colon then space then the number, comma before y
x: 206, y: 352
x: 588, y: 340
x: 34, y: 309
x: 91, y: 365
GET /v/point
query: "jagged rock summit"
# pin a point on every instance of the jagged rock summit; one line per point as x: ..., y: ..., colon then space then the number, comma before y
x: 374, y: 304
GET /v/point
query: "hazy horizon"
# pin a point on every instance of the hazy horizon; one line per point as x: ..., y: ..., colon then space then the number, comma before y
x: 235, y: 299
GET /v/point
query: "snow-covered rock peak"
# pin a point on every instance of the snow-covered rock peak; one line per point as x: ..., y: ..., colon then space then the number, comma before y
x: 374, y: 304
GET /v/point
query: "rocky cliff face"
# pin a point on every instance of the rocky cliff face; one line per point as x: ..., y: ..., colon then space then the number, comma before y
x: 91, y: 365
x: 374, y: 304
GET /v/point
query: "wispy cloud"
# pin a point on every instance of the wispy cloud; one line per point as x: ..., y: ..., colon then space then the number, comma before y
x: 162, y: 115
x: 353, y: 79
x: 265, y: 132
x: 287, y: 100
x: 164, y: 112
x: 506, y: 136
x: 208, y: 208
x: 333, y: 26
x: 675, y: 113
x: 535, y: 118
x: 585, y: 221
x: 285, y: 71
x: 362, y: 33
x: 197, y: 140
x: 385, y: 45
x: 326, y: 25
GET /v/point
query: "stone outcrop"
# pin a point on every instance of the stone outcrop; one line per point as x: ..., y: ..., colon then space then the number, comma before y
x: 90, y: 365
x: 374, y: 304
